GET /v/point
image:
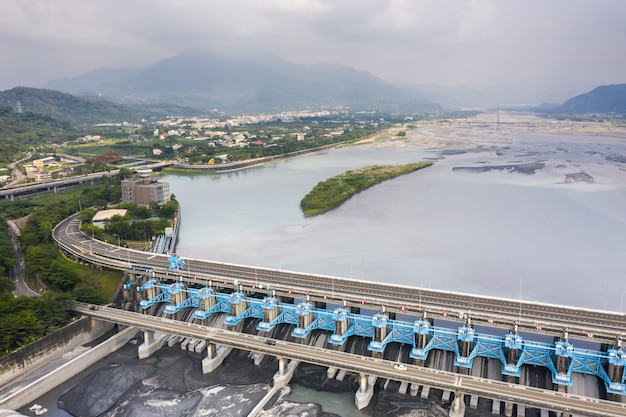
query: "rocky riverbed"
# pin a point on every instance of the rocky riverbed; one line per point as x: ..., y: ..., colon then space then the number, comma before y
x: 171, y: 383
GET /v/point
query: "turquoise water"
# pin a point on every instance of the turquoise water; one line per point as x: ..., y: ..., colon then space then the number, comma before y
x: 341, y: 403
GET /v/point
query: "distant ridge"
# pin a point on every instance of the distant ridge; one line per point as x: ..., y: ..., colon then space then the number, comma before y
x: 604, y: 99
x: 245, y: 83
x: 63, y: 106
x: 80, y: 110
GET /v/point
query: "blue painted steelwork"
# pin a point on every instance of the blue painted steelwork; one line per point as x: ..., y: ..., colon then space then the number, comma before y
x: 359, y: 326
x: 617, y: 357
x: 222, y: 303
x: 176, y: 263
x: 270, y: 303
x: 482, y: 345
x: 322, y: 319
x: 398, y: 331
x: 420, y: 327
x: 163, y: 297
x: 146, y: 285
x: 193, y: 299
x: 488, y: 346
x: 254, y: 309
x: 513, y: 341
x: 129, y: 285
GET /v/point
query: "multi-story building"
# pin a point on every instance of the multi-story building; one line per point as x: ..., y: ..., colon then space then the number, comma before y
x: 44, y: 162
x: 145, y: 190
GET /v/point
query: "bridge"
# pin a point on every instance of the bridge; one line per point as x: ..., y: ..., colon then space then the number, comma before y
x: 385, y: 314
x: 52, y: 186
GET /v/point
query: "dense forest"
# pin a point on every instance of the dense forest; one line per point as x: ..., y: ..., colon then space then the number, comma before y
x: 46, y: 267
x: 6, y: 251
x: 57, y: 279
x: 63, y: 106
x: 26, y: 319
x: 20, y: 132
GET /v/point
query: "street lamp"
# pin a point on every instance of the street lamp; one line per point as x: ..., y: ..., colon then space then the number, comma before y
x: 118, y: 239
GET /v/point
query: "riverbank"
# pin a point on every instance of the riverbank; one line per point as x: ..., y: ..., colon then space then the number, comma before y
x: 238, y: 165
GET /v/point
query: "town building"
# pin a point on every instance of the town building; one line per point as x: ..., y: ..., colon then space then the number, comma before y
x: 145, y: 190
x: 103, y: 215
x: 44, y: 162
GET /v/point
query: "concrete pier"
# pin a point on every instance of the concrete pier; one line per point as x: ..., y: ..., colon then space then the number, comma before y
x: 218, y: 354
x: 458, y: 406
x: 445, y: 397
x: 285, y: 372
x: 495, y: 407
x: 404, y: 386
x: 151, y: 343
x: 365, y: 392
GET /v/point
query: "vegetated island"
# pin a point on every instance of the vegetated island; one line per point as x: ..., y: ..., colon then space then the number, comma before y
x: 334, y: 191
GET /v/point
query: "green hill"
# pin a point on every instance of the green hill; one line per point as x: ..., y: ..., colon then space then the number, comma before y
x: 21, y: 131
x: 64, y: 106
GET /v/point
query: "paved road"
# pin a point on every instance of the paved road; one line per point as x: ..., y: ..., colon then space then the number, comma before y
x: 17, y: 273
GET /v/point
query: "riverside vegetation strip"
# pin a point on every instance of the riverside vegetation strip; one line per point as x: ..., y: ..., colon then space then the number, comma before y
x: 334, y: 191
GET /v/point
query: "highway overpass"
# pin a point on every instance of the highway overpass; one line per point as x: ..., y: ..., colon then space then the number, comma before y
x: 52, y: 186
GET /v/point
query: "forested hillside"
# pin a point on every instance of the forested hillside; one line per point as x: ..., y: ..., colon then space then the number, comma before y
x: 21, y: 131
x: 63, y: 106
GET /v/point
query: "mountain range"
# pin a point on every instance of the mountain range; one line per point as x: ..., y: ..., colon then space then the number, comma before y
x: 250, y: 83
x: 605, y: 99
x: 203, y: 82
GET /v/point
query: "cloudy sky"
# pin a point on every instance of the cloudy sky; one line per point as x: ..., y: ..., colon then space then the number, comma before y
x: 537, y: 44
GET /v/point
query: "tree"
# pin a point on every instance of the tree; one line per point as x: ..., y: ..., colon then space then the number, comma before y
x: 168, y: 209
x: 19, y: 329
x: 60, y: 277
x: 87, y: 294
x: 125, y: 174
x: 53, y: 309
x: 86, y: 215
x: 6, y: 288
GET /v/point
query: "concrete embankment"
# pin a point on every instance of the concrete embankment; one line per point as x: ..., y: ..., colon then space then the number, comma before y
x: 234, y: 166
x: 32, y: 360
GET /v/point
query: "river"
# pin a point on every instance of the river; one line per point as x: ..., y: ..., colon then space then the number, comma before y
x: 531, y: 211
x: 511, y: 213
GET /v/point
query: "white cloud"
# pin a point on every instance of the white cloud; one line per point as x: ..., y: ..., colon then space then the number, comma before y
x: 458, y: 42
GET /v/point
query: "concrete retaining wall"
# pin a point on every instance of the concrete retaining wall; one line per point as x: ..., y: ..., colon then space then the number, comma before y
x: 34, y: 355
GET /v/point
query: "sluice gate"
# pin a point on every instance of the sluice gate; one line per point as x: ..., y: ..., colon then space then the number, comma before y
x: 561, y: 358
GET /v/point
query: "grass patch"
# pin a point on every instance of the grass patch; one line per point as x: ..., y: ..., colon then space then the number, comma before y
x: 201, y: 171
x: 105, y: 280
